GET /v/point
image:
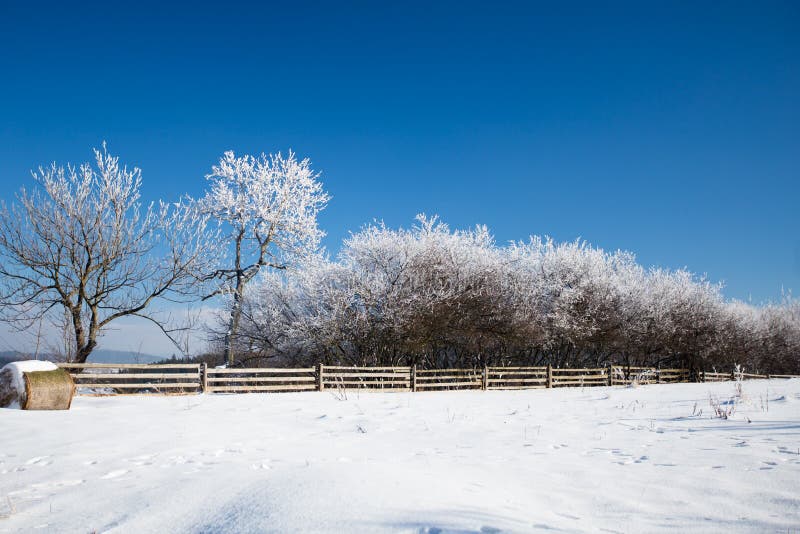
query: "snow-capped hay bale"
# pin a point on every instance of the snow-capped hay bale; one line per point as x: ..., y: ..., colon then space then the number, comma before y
x: 12, y: 381
x: 48, y: 390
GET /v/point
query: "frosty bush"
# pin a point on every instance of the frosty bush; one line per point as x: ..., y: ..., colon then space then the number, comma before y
x: 435, y: 297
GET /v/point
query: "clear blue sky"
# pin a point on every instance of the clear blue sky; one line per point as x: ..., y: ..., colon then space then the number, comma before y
x: 668, y: 129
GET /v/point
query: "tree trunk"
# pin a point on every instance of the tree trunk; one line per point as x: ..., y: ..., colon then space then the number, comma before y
x: 236, y: 309
x: 233, y: 323
x: 82, y: 347
x: 83, y: 352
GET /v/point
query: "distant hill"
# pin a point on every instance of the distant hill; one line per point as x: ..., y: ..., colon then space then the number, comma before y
x: 97, y: 356
x: 122, y: 356
x: 8, y: 356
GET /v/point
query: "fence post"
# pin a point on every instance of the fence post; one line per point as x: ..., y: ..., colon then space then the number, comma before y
x: 320, y: 383
x: 610, y: 374
x: 733, y: 374
x: 549, y: 375
x: 658, y: 375
x: 414, y: 377
x: 485, y: 378
x: 203, y: 377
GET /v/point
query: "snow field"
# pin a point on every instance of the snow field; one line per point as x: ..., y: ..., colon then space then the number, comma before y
x: 646, y: 459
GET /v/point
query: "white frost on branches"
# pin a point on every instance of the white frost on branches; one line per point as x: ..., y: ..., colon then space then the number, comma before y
x: 82, y: 244
x: 436, y: 297
x: 267, y: 207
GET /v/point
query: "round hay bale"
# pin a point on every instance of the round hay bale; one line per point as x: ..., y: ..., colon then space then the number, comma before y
x: 12, y: 382
x: 48, y: 390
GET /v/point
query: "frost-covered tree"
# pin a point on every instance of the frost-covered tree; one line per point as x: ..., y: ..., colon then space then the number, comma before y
x: 267, y: 207
x: 82, y: 246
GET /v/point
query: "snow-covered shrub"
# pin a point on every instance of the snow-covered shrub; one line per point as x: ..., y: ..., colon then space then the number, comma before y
x: 722, y: 409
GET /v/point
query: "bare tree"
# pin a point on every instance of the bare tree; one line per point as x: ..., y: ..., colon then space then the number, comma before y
x: 81, y: 245
x: 269, y: 206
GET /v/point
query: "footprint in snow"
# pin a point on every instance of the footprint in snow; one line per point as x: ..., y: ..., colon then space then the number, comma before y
x: 144, y: 459
x: 177, y: 460
x: 261, y: 465
x: 768, y: 465
x: 114, y: 474
x: 39, y: 460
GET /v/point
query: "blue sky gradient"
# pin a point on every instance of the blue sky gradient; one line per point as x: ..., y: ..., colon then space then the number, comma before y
x: 671, y: 130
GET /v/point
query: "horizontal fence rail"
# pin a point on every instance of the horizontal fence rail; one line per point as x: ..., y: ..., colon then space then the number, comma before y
x: 165, y: 379
x: 669, y: 376
x: 710, y: 376
x: 634, y: 375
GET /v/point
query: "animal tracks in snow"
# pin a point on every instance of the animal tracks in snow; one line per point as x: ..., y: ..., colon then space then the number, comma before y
x: 587, y: 465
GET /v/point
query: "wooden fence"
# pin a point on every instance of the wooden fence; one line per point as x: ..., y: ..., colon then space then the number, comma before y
x: 447, y: 379
x: 382, y: 378
x: 164, y: 379
x: 516, y: 378
x: 258, y: 379
x: 709, y: 376
x: 119, y: 379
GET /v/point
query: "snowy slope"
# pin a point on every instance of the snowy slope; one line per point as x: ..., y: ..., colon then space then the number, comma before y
x: 572, y: 460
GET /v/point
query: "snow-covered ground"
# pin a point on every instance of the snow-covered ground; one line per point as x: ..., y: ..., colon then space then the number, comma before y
x: 597, y: 459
